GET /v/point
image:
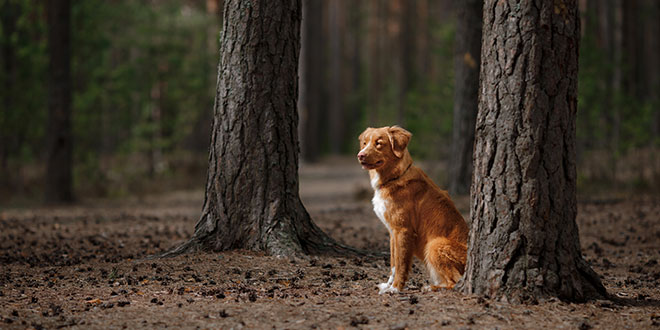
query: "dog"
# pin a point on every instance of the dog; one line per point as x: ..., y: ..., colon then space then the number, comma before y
x: 421, y: 218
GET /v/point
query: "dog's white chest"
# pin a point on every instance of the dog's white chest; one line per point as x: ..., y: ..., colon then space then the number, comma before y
x: 380, y: 204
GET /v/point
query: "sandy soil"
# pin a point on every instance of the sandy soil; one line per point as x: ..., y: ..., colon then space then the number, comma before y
x: 83, y: 267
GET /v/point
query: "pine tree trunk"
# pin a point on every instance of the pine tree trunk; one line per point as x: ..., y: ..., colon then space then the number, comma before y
x: 252, y: 199
x: 467, y: 55
x: 524, y: 242
x: 59, y: 141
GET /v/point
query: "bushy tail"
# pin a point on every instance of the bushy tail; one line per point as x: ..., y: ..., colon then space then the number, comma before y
x: 445, y: 260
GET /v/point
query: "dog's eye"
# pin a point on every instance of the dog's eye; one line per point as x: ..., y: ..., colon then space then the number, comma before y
x: 378, y: 144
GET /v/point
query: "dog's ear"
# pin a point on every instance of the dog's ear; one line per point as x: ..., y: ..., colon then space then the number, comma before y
x: 399, y: 139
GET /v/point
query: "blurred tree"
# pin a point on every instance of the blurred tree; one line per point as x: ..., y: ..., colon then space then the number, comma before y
x: 467, y: 54
x: 403, y: 12
x: 524, y: 189
x: 9, y: 12
x: 422, y: 32
x: 652, y: 60
x: 311, y: 79
x: 353, y: 72
x: 59, y: 178
x: 336, y: 110
x: 375, y: 48
x: 252, y: 199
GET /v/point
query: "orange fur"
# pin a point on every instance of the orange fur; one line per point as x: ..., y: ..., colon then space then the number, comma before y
x: 422, y: 219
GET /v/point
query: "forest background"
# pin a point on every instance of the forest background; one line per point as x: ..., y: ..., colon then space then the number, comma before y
x: 144, y: 76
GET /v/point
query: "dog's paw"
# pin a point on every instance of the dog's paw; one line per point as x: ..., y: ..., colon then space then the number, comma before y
x: 386, y: 288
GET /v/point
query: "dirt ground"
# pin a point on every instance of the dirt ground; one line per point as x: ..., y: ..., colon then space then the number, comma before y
x: 83, y: 267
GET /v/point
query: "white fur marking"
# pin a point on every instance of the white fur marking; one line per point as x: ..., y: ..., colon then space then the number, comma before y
x: 435, y: 277
x: 374, y: 181
x: 380, y: 204
x: 365, y: 148
x: 387, y: 287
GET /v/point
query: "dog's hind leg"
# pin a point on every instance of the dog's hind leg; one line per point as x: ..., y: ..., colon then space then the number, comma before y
x: 445, y: 261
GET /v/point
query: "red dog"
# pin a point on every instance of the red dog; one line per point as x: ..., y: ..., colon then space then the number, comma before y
x: 421, y: 218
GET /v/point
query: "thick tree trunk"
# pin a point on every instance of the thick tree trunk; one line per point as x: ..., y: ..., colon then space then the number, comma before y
x: 311, y: 66
x: 466, y: 86
x: 252, y: 199
x: 524, y: 242
x: 59, y: 141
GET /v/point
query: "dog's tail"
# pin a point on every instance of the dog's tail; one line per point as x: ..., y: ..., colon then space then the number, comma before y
x: 445, y: 259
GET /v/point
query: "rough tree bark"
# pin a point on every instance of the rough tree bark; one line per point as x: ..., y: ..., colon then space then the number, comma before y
x: 252, y: 199
x: 466, y: 87
x: 311, y: 76
x: 59, y: 141
x: 524, y: 242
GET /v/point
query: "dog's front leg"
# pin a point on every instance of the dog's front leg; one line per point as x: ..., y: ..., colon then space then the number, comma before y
x: 403, y: 257
x: 401, y: 260
x: 387, y: 287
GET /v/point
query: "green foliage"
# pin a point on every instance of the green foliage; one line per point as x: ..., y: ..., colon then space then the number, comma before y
x: 22, y: 122
x: 143, y: 74
x: 612, y: 124
x: 430, y: 104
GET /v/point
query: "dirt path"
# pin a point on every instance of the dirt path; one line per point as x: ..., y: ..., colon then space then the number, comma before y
x: 76, y: 267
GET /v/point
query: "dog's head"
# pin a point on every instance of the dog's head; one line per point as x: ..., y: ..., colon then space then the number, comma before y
x: 381, y: 146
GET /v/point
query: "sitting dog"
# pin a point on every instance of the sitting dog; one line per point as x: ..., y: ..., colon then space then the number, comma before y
x: 421, y: 218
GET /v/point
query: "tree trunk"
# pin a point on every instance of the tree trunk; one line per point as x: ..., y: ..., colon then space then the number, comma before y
x: 336, y: 131
x: 309, y: 89
x: 375, y: 36
x: 466, y: 97
x: 524, y: 242
x: 423, y: 54
x: 405, y: 49
x: 9, y: 14
x: 352, y: 69
x: 652, y: 42
x: 59, y: 141
x: 651, y: 70
x: 252, y: 199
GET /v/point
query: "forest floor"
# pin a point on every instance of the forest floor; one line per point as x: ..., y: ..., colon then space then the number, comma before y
x: 83, y: 267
